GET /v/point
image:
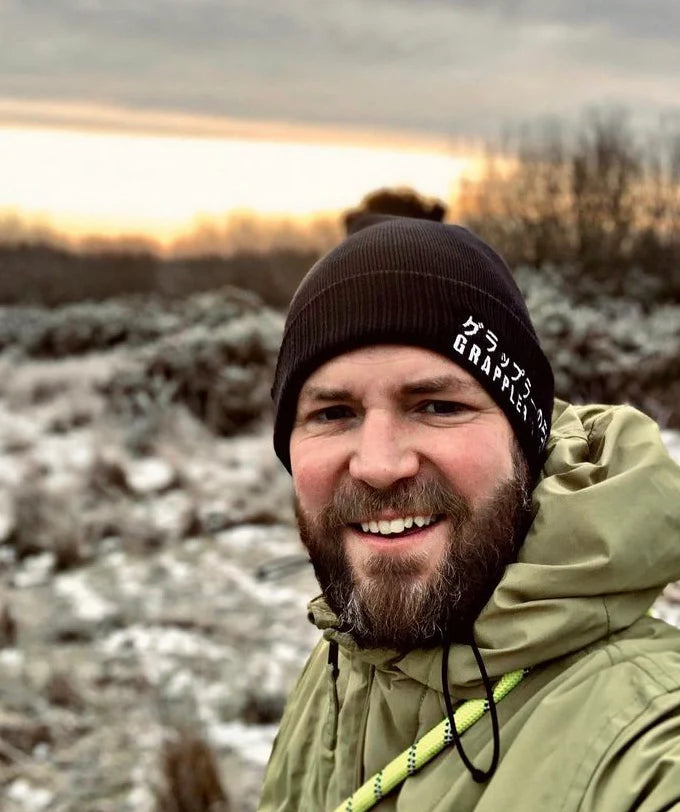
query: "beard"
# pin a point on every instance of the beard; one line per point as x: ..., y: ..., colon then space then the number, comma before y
x: 391, y: 603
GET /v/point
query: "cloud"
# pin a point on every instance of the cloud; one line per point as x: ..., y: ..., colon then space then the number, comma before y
x: 464, y: 67
x: 658, y: 19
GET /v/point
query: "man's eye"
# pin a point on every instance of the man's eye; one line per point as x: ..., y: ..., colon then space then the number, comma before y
x: 332, y: 413
x: 443, y: 407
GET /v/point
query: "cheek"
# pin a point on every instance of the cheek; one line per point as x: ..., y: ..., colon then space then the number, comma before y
x: 477, y: 465
x: 313, y: 478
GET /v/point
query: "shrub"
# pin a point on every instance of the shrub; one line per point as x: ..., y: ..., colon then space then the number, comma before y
x: 84, y: 327
x: 222, y: 375
x: 81, y: 328
x: 610, y: 350
x: 45, y: 522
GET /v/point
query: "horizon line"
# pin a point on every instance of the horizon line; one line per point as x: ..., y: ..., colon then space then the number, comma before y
x: 120, y: 119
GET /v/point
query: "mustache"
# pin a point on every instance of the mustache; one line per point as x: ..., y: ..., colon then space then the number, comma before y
x: 354, y: 502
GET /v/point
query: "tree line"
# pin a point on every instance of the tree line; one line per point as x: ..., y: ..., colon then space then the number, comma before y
x: 601, y: 200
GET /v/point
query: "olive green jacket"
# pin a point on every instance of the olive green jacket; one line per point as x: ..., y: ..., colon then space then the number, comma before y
x: 596, y: 723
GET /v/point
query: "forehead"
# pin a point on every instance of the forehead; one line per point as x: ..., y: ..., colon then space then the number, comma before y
x: 387, y: 367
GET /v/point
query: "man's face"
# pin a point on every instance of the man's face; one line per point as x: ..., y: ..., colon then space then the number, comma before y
x: 411, y: 493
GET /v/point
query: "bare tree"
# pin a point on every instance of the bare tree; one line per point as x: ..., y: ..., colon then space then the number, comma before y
x: 597, y: 200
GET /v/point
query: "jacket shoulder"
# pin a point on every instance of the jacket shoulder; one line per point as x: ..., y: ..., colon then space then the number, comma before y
x: 608, y: 728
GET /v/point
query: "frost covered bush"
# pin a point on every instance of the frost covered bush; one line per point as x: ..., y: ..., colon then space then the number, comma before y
x: 609, y: 350
x: 222, y: 374
x: 80, y: 328
x: 84, y: 327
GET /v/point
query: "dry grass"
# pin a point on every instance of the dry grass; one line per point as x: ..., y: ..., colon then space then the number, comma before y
x: 60, y: 690
x: 8, y: 628
x: 190, y: 777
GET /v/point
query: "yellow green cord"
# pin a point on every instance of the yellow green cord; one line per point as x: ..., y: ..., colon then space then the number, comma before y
x: 426, y: 748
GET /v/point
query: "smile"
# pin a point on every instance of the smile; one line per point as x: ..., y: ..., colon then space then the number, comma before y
x: 388, y: 527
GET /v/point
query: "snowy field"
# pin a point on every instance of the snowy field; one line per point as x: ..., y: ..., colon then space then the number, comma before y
x: 135, y: 597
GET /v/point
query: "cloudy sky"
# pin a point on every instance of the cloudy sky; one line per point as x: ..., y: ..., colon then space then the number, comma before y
x: 427, y: 65
x: 433, y: 69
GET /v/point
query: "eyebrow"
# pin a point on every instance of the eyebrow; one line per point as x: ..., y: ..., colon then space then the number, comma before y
x: 423, y: 386
x: 322, y: 393
x: 440, y: 383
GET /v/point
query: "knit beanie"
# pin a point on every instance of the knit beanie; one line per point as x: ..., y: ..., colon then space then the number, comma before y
x: 398, y: 280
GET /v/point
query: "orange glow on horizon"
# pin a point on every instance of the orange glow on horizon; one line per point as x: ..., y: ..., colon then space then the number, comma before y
x: 82, y: 182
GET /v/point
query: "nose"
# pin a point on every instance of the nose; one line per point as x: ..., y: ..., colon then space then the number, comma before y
x: 384, y: 453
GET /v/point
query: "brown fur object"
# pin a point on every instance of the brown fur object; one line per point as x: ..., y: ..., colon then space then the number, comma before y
x: 402, y: 201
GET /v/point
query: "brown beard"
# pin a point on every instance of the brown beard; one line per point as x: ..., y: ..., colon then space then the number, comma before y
x: 393, y: 606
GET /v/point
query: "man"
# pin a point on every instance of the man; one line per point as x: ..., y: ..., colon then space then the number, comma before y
x: 474, y: 540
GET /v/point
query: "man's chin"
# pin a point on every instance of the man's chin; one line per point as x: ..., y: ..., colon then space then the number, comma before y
x: 388, y: 607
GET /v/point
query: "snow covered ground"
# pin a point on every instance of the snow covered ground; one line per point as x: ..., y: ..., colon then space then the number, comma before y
x: 135, y: 598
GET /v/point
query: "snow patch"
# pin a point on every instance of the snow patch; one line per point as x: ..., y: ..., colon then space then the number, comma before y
x: 672, y: 441
x: 36, y: 571
x: 148, y: 476
x: 252, y: 742
x: 28, y: 796
x: 85, y: 602
x: 162, y: 641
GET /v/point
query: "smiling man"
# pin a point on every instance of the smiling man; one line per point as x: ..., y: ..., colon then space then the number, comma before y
x: 486, y: 555
x: 402, y: 462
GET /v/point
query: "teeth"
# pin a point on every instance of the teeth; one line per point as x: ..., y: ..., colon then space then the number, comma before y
x: 386, y: 527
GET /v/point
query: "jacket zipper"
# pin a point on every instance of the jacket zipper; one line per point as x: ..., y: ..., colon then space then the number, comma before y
x: 359, y: 769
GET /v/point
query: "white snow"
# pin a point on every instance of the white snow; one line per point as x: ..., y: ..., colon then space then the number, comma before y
x: 36, y: 570
x: 161, y: 641
x: 12, y: 662
x: 150, y: 475
x: 265, y: 594
x: 672, y: 441
x: 85, y: 602
x: 252, y: 742
x: 17, y: 431
x: 28, y: 796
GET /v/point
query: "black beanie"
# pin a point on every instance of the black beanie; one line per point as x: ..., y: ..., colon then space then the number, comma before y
x: 397, y: 280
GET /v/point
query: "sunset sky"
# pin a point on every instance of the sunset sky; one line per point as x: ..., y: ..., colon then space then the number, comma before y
x: 132, y: 116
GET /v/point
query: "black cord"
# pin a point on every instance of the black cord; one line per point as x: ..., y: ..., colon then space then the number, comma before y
x: 480, y: 776
x: 333, y: 658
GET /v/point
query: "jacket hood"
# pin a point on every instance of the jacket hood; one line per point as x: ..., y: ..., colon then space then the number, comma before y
x: 604, y: 542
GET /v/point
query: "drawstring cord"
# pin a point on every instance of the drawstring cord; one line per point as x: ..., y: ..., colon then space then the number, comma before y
x: 333, y: 658
x: 331, y: 727
x: 480, y: 776
x: 414, y: 758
